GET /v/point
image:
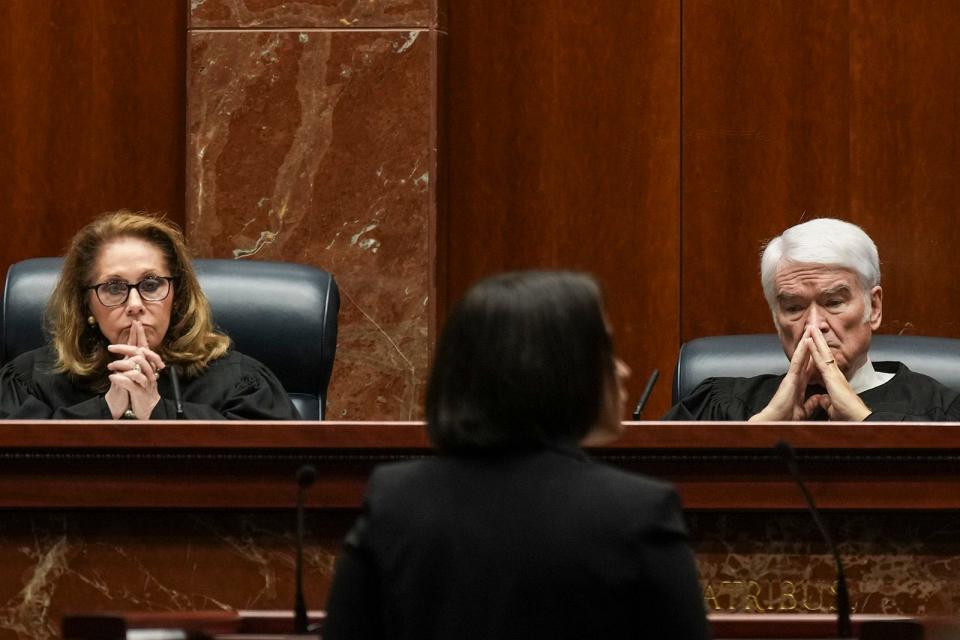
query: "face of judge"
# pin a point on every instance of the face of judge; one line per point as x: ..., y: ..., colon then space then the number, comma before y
x: 130, y: 260
x: 831, y: 300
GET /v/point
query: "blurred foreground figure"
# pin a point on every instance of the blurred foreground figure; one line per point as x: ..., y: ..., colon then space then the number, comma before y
x: 512, y: 531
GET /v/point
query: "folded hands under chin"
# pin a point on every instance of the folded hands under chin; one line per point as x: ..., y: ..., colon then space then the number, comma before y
x: 789, y: 402
x: 133, y: 377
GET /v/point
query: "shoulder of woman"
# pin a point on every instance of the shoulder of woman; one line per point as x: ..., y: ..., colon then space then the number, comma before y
x: 245, y: 372
x: 35, y: 361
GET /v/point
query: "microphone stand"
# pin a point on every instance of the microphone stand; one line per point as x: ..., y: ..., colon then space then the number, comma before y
x: 844, y: 626
x: 305, y: 477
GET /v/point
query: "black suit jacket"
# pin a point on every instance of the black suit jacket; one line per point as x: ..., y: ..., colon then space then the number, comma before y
x: 538, y: 544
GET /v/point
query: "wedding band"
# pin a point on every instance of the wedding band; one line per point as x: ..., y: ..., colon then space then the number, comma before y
x: 136, y: 367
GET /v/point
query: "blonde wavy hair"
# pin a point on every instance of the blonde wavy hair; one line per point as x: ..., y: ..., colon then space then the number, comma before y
x: 191, y: 341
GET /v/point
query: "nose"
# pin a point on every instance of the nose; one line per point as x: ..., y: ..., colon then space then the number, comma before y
x: 818, y: 319
x: 134, y: 304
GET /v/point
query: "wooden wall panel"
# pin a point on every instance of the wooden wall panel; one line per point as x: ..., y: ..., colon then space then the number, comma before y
x: 562, y: 152
x: 92, y: 116
x: 765, y: 145
x: 905, y: 155
x: 802, y: 109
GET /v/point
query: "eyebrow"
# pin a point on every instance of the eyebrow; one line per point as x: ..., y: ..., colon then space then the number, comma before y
x: 782, y: 296
x: 840, y: 288
x: 117, y: 278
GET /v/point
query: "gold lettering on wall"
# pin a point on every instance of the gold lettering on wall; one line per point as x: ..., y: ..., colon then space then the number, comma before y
x: 762, y: 596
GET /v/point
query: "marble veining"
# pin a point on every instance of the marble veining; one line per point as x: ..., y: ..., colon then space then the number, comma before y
x: 895, y: 563
x: 207, y: 14
x: 54, y: 563
x: 318, y: 148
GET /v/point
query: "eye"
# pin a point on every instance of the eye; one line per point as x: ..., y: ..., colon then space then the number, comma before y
x: 116, y: 287
x: 834, y: 303
x: 150, y: 284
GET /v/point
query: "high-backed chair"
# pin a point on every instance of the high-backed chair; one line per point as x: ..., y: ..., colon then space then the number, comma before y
x: 756, y: 354
x: 282, y: 314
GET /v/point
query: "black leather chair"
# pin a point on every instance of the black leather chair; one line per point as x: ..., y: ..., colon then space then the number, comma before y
x: 282, y: 314
x: 756, y: 354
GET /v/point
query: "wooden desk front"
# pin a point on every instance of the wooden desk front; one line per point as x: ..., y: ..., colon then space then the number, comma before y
x: 194, y: 516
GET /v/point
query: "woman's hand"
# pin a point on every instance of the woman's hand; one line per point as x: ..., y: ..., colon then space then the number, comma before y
x: 134, y: 378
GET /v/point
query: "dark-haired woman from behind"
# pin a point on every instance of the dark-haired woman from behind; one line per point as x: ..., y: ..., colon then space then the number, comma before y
x: 512, y: 531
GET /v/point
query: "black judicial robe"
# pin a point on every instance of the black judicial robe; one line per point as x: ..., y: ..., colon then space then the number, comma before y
x: 540, y: 544
x: 908, y: 396
x: 234, y: 386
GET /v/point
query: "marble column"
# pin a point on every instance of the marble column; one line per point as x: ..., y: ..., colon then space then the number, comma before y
x: 312, y: 138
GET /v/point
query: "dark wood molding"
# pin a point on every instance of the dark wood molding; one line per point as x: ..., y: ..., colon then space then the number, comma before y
x: 251, y: 465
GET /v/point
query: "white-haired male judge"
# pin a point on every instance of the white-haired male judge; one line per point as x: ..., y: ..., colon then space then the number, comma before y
x: 822, y: 282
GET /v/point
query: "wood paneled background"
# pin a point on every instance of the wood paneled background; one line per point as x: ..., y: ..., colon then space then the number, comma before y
x: 656, y: 144
x: 563, y: 144
x: 659, y: 144
x: 92, y: 116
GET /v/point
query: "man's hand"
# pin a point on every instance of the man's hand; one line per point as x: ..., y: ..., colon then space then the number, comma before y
x: 788, y: 402
x: 840, y: 401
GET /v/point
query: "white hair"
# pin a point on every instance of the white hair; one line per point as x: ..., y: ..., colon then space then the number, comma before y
x: 825, y: 241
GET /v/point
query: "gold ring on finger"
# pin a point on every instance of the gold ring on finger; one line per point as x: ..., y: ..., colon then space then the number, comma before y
x: 136, y: 367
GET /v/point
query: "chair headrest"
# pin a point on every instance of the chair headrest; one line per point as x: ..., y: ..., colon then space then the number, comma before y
x: 761, y: 353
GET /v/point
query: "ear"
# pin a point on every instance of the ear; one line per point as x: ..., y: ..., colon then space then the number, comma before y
x: 876, y: 312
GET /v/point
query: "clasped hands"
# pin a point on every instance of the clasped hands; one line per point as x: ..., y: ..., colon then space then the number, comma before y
x: 789, y: 402
x: 133, y: 378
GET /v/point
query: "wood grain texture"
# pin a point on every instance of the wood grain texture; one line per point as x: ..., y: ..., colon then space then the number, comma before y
x: 97, y: 465
x: 765, y: 145
x: 797, y: 109
x: 92, y: 116
x: 562, y: 130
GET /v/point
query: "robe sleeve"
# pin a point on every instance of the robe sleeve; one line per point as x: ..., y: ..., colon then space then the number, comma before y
x: 713, y: 399
x: 20, y: 399
x: 912, y: 397
x: 240, y: 388
x: 15, y: 399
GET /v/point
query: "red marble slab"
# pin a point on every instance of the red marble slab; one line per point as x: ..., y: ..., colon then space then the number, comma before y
x: 206, y: 14
x: 60, y: 562
x: 320, y: 147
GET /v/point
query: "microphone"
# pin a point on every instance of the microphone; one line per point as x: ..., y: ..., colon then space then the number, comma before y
x: 177, y: 398
x: 646, y: 394
x: 844, y: 629
x: 306, y: 475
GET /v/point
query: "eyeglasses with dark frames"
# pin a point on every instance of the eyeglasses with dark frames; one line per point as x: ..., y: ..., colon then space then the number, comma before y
x: 114, y: 293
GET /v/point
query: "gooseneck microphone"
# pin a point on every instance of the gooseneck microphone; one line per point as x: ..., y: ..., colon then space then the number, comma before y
x: 175, y: 383
x: 646, y: 394
x: 844, y: 628
x: 306, y: 475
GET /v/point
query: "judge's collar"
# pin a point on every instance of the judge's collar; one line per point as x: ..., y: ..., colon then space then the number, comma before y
x: 866, y: 377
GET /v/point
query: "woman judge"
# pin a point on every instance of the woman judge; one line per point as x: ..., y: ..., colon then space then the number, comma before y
x: 512, y: 531
x: 126, y: 309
